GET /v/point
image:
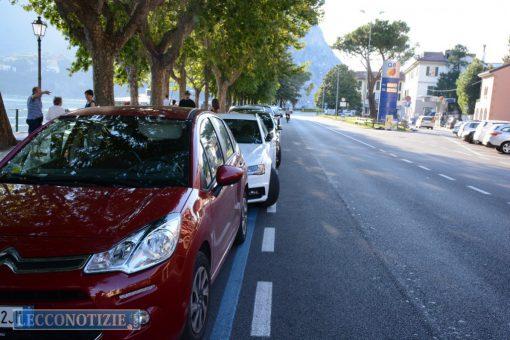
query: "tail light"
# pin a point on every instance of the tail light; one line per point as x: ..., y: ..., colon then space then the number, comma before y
x: 495, y: 133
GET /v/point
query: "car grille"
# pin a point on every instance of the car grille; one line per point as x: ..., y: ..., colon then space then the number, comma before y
x: 10, y: 258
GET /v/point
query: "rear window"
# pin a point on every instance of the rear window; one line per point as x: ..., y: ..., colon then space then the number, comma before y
x: 245, y: 131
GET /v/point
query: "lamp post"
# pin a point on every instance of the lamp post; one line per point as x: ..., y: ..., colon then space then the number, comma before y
x: 39, y: 28
x: 337, y: 85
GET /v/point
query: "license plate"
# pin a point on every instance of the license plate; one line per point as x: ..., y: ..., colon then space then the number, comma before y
x: 7, y: 316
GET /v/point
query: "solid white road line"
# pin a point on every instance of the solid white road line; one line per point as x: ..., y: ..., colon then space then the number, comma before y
x: 478, y: 190
x: 447, y: 177
x: 261, y: 322
x: 406, y: 160
x: 423, y: 167
x: 465, y: 147
x: 268, y: 240
x: 272, y: 209
x: 354, y: 139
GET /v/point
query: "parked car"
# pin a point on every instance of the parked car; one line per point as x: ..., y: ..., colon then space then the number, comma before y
x: 451, y: 122
x: 255, y: 143
x: 483, y: 128
x: 463, y: 126
x: 276, y: 114
x: 272, y: 125
x: 425, y: 122
x: 468, y: 131
x: 456, y: 127
x: 492, y: 129
x: 501, y: 140
x: 122, y: 208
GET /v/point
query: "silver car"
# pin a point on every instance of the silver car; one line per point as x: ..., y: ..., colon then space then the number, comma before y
x: 501, y: 139
x: 468, y: 131
x: 494, y: 128
x: 484, y: 127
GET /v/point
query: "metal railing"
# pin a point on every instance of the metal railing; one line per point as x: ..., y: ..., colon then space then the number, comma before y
x: 14, y: 116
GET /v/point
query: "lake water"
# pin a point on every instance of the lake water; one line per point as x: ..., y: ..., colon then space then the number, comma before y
x: 20, y: 102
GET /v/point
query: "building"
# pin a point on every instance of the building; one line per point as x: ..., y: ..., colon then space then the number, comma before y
x: 361, y: 77
x: 421, y: 75
x: 494, y: 102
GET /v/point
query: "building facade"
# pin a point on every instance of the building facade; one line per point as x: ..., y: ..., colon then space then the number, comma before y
x: 494, y: 102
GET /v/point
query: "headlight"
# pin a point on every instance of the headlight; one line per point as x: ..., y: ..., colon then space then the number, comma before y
x: 257, y: 169
x: 141, y: 250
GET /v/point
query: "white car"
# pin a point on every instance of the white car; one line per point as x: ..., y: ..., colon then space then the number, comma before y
x: 468, y: 131
x: 425, y: 121
x: 501, y: 139
x: 484, y: 127
x: 260, y: 154
x: 494, y: 128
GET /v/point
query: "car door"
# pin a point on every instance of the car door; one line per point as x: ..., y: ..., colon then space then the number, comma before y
x: 218, y: 217
x: 232, y: 193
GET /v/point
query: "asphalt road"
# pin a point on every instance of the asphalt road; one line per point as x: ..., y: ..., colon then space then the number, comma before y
x: 376, y: 235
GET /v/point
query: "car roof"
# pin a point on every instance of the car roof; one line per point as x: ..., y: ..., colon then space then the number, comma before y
x: 238, y: 116
x: 178, y: 113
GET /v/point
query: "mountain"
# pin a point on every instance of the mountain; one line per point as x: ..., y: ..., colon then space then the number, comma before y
x: 320, y: 58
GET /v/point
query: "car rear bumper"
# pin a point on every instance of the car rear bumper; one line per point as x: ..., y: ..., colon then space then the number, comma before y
x: 160, y: 291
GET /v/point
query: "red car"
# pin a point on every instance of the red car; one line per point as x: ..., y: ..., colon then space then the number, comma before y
x: 121, y: 208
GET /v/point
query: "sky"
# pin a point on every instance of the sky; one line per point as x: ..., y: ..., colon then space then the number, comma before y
x: 436, y: 25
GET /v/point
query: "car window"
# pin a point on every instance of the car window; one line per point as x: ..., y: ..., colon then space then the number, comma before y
x: 211, y: 146
x: 134, y: 151
x: 268, y: 121
x: 245, y: 131
x: 507, y: 129
x: 226, y: 143
x: 206, y: 173
x: 264, y: 130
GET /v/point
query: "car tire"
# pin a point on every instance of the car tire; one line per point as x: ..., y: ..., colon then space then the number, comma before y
x: 243, y: 224
x: 505, y: 148
x: 274, y: 189
x: 196, y: 320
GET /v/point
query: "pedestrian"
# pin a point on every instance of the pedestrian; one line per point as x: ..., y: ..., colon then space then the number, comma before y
x: 215, y: 105
x: 187, y: 102
x: 56, y: 110
x: 166, y: 101
x: 174, y: 102
x: 89, y: 96
x: 34, y: 109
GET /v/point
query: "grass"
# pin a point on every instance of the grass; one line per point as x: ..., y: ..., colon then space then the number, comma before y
x: 352, y: 120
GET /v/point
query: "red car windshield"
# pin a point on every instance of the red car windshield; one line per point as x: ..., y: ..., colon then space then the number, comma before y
x: 133, y: 151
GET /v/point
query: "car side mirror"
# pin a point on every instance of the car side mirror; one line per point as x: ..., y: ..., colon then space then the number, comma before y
x: 227, y: 175
x: 269, y: 136
x: 279, y: 128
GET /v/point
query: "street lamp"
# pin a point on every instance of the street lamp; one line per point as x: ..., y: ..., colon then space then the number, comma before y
x: 39, y: 28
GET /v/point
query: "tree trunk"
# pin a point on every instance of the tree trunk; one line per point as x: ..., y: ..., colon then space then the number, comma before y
x: 206, y: 96
x: 6, y: 137
x: 157, y: 80
x: 133, y: 84
x: 103, y: 71
x: 166, y: 86
x: 197, y: 96
x: 222, y: 95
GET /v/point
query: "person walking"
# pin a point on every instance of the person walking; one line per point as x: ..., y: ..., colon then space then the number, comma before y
x: 215, y: 105
x: 166, y: 101
x: 187, y: 102
x: 34, y: 109
x: 89, y: 96
x: 55, y: 111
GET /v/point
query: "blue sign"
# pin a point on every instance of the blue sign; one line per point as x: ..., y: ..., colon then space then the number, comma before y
x: 389, y: 90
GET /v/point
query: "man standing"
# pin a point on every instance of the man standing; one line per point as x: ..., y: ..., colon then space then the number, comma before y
x: 187, y: 102
x: 34, y: 108
x: 166, y: 101
x: 89, y: 96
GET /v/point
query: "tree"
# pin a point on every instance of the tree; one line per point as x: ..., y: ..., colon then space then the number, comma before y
x: 390, y: 41
x: 468, y: 86
x: 447, y: 82
x: 291, y: 80
x: 101, y: 28
x: 163, y: 34
x: 6, y: 137
x: 347, y: 88
x: 506, y: 59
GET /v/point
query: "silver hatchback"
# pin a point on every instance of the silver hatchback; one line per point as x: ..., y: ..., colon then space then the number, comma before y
x: 501, y: 139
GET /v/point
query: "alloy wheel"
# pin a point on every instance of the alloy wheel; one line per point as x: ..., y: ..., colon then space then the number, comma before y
x: 199, y: 299
x: 505, y: 148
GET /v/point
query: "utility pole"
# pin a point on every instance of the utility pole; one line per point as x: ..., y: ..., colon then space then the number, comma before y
x: 337, y: 84
x: 323, y: 92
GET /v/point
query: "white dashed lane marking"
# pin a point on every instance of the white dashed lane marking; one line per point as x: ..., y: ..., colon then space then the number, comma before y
x: 272, y: 209
x: 424, y: 167
x: 447, y: 177
x: 406, y: 160
x: 393, y: 155
x: 478, y: 190
x: 268, y: 240
x: 261, y: 322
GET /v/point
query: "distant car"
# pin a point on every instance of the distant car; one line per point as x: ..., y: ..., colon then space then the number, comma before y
x: 451, y: 122
x: 484, y: 127
x: 468, y: 131
x: 501, y: 139
x: 425, y: 122
x: 492, y: 129
x: 456, y: 127
x: 255, y: 143
x: 462, y: 126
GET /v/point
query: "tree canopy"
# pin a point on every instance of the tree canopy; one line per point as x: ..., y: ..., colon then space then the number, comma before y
x: 468, y: 86
x: 347, y: 88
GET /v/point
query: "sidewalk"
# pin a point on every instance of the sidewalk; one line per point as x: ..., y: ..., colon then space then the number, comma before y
x: 19, y: 137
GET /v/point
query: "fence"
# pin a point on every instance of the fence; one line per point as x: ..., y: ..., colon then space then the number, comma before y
x: 17, y: 118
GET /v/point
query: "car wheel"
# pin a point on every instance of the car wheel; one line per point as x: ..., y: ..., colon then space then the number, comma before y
x: 274, y: 189
x: 505, y: 148
x: 199, y: 300
x: 243, y: 225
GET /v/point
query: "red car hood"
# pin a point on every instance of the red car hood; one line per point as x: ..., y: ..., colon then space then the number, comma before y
x: 48, y: 221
